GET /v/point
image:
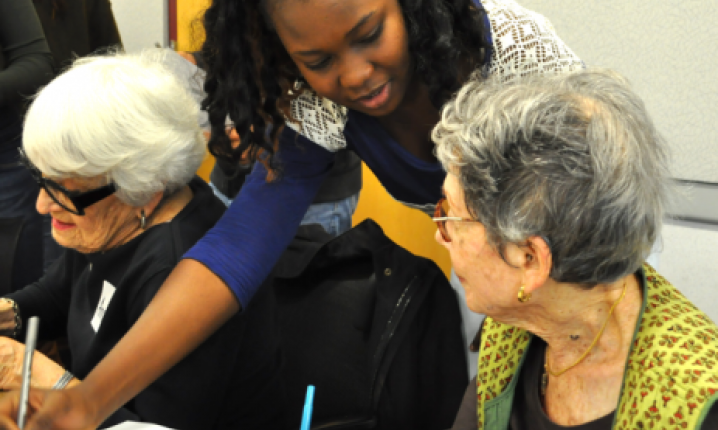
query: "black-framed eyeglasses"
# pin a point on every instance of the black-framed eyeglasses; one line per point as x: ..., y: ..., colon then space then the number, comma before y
x: 71, y: 200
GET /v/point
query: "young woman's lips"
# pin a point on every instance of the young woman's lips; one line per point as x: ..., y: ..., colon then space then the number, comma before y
x: 59, y: 225
x: 376, y: 99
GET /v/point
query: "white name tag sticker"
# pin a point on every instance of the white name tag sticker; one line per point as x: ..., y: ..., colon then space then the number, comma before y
x: 108, y: 290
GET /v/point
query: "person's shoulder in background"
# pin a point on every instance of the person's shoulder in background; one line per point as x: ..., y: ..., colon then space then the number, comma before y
x: 77, y: 28
x: 25, y: 61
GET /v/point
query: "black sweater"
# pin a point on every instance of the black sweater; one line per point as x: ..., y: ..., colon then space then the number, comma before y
x: 78, y: 28
x: 25, y: 65
x: 25, y: 61
x: 227, y: 382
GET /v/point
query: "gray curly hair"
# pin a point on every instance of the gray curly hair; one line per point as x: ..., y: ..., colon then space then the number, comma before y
x: 574, y: 158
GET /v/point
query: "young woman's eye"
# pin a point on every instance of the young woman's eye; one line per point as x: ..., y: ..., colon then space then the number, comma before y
x: 373, y: 36
x: 318, y: 65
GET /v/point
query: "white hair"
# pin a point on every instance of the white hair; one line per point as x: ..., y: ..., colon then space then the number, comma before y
x: 123, y: 118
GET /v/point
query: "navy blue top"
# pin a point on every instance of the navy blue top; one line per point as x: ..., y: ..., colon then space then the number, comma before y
x: 406, y: 177
x: 245, y: 244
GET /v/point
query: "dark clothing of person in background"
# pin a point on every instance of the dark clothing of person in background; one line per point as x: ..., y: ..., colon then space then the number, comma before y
x: 76, y: 28
x: 25, y: 65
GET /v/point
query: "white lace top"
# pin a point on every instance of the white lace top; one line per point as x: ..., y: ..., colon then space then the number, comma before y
x: 524, y: 43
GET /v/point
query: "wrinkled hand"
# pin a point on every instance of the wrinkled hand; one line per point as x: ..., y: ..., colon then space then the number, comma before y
x: 49, y: 410
x: 7, y: 317
x: 45, y: 372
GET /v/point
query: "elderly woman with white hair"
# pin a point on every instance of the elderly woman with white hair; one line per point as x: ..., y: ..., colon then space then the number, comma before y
x: 555, y: 192
x: 114, y: 144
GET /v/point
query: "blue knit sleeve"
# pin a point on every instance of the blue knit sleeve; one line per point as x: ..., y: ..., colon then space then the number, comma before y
x: 248, y: 240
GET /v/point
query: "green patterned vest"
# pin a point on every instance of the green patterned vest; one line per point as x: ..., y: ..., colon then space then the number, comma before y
x: 671, y: 377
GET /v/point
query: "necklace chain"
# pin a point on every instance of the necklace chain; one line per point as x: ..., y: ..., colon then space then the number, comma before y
x: 547, y: 366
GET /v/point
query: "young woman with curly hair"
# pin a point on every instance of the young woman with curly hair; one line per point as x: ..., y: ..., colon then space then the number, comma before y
x: 301, y: 79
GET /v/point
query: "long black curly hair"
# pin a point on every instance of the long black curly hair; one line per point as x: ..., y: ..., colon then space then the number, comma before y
x: 250, y: 74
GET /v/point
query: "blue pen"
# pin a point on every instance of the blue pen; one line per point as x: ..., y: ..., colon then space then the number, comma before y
x: 308, y: 406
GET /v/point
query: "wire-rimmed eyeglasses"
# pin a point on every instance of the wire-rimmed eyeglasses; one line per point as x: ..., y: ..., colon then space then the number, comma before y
x: 440, y: 218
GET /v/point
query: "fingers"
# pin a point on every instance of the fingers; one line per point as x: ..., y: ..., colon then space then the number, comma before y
x: 7, y: 424
x: 47, y: 410
x: 231, y: 133
x: 48, y: 407
x: 233, y: 138
x: 10, y: 404
x: 8, y: 410
x: 7, y: 316
x: 59, y: 410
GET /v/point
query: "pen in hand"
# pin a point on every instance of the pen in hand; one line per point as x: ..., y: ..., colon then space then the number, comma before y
x: 30, y: 341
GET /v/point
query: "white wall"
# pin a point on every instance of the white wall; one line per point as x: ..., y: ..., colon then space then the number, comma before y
x: 142, y: 23
x: 689, y: 260
x: 667, y: 49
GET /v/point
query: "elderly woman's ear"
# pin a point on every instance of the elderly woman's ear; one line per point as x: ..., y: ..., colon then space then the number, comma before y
x: 534, y: 259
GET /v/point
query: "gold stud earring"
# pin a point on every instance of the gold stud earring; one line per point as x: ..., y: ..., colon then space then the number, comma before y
x: 523, y: 297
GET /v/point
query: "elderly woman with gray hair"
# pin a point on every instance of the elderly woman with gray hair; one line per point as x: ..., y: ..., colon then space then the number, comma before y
x: 554, y: 197
x: 114, y: 143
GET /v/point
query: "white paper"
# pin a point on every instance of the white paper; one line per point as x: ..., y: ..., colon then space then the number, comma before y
x: 132, y: 425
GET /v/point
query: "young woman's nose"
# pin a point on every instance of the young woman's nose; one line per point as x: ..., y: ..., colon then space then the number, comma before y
x: 355, y: 73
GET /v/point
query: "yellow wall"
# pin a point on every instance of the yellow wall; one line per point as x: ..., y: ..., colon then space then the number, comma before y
x: 189, y: 38
x: 189, y: 28
x: 408, y: 227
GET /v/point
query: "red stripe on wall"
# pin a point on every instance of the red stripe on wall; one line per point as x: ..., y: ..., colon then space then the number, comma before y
x: 172, y: 17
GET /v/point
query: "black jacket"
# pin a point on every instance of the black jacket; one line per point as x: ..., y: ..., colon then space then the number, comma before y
x: 374, y: 327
